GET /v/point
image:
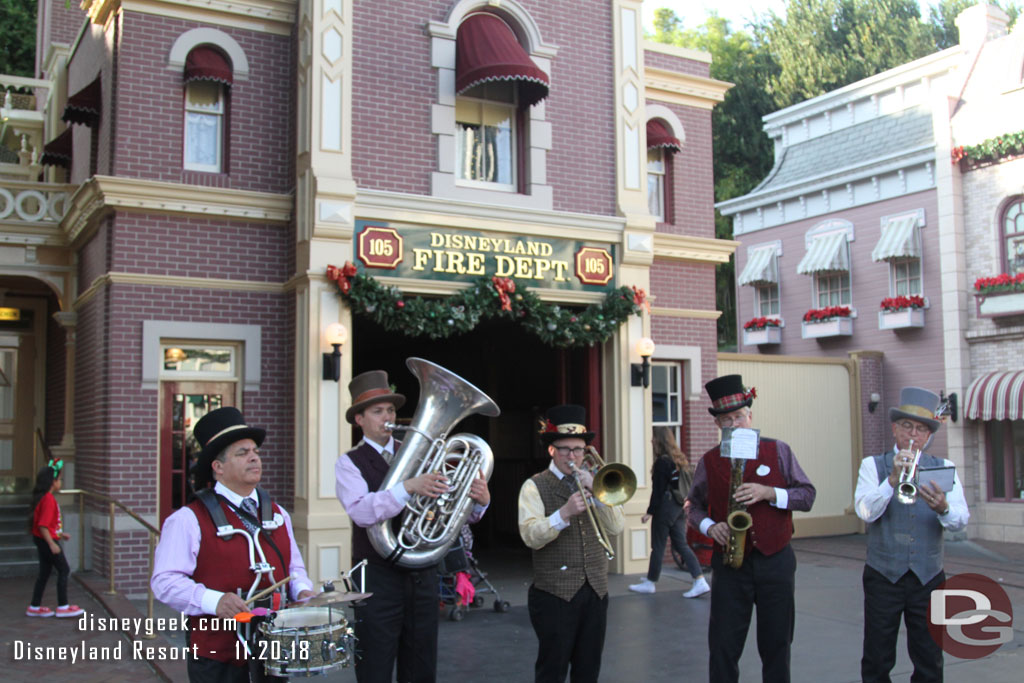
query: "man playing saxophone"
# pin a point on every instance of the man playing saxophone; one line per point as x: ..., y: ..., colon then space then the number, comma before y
x: 568, y: 600
x: 767, y: 488
x: 904, y: 562
x: 399, y: 621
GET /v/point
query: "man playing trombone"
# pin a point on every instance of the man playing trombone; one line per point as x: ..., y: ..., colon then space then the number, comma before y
x: 905, y: 523
x: 568, y: 532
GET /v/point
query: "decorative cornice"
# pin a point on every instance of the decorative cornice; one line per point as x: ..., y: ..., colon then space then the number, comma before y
x: 99, y: 11
x: 689, y: 248
x: 269, y: 16
x: 686, y: 89
x: 677, y: 51
x: 659, y: 312
x: 108, y: 279
x: 101, y: 194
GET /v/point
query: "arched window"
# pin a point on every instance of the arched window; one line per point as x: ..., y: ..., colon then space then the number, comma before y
x: 1013, y: 236
x: 661, y: 145
x: 208, y: 77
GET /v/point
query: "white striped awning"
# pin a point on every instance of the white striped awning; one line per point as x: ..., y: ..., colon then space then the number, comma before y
x: 996, y: 396
x: 898, y: 240
x: 760, y: 268
x: 827, y: 253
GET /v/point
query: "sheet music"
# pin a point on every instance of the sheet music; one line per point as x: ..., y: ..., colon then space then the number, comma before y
x: 740, y: 443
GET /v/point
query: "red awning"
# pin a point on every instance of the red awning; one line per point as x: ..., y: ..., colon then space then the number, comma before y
x: 658, y: 135
x: 85, y: 105
x: 486, y: 49
x: 57, y: 152
x: 996, y: 396
x: 207, y: 64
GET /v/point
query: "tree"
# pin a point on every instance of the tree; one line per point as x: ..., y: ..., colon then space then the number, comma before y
x: 17, y: 37
x: 942, y: 18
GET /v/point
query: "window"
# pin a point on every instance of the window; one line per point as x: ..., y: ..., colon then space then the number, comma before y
x: 667, y: 396
x: 204, y: 126
x: 204, y: 361
x: 1013, y: 236
x: 656, y: 182
x: 766, y: 300
x: 906, y: 277
x: 1005, y: 442
x: 485, y: 145
x: 832, y: 289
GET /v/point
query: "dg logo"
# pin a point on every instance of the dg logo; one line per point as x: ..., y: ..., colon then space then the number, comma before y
x: 970, y: 616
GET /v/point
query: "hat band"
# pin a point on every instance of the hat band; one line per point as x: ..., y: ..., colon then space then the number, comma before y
x: 917, y: 410
x: 732, y: 401
x: 372, y: 393
x: 223, y: 432
x: 571, y: 428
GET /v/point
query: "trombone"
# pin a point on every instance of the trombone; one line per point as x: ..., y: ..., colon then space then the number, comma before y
x: 614, y: 484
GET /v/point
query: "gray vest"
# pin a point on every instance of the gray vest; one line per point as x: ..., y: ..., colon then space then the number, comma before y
x: 905, y: 537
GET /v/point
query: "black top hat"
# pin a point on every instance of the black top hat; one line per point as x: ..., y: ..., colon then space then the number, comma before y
x: 217, y: 430
x: 917, y: 404
x: 727, y: 394
x: 369, y: 388
x: 565, y: 422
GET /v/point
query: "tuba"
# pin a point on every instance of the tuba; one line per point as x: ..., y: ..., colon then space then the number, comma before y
x: 429, y: 526
x: 738, y: 519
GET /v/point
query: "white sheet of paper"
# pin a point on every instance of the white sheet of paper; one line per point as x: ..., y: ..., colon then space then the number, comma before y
x: 742, y: 443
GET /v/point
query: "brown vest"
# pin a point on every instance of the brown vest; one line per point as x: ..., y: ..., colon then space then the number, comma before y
x: 576, y: 547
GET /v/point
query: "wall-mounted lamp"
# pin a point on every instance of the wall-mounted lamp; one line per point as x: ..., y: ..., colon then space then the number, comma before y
x: 951, y: 404
x: 174, y: 355
x: 873, y: 401
x: 336, y: 335
x: 640, y: 373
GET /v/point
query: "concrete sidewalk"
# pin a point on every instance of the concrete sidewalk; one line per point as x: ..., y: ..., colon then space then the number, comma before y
x: 659, y: 637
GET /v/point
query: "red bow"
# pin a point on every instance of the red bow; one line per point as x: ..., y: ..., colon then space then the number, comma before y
x: 504, y: 286
x: 547, y: 426
x: 750, y: 393
x: 640, y: 299
x: 343, y: 275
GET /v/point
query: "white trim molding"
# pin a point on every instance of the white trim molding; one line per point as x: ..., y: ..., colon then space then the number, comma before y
x: 153, y: 331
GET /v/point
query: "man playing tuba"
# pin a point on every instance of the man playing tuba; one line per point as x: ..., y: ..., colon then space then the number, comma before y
x: 769, y: 488
x: 399, y: 621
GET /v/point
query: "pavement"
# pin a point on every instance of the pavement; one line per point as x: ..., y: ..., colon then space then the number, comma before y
x: 659, y: 637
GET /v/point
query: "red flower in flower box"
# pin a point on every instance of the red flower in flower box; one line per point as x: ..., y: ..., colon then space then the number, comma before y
x: 899, y: 303
x: 1000, y: 284
x: 761, y: 323
x: 817, y: 315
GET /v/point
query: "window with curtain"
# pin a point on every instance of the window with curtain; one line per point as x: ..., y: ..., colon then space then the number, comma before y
x: 1013, y: 236
x: 905, y: 277
x: 656, y: 182
x: 1005, y: 454
x: 485, y: 147
x: 766, y: 299
x: 832, y: 289
x: 204, y: 126
x: 667, y: 396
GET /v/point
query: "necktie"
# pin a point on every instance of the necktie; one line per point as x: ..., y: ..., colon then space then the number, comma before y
x: 249, y: 506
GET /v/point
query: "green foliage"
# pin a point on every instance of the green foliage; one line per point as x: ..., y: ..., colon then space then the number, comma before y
x: 942, y: 19
x: 17, y: 37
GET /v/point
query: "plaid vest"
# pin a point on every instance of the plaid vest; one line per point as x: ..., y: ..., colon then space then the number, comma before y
x: 574, y: 557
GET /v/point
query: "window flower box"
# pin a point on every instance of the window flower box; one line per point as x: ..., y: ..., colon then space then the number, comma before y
x: 999, y: 296
x: 901, y: 311
x: 833, y: 321
x: 758, y: 331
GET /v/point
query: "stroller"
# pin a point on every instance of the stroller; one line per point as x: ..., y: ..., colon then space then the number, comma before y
x: 459, y: 560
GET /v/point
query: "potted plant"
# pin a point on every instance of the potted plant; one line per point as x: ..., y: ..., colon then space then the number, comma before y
x: 831, y: 321
x: 763, y: 330
x: 901, y: 311
x: 1000, y: 295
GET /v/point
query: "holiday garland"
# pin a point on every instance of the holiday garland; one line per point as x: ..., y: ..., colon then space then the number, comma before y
x: 993, y: 149
x: 495, y: 297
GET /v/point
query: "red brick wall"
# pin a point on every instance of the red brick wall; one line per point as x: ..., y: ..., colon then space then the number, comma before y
x: 56, y: 23
x: 56, y: 367
x: 659, y: 60
x: 693, y: 183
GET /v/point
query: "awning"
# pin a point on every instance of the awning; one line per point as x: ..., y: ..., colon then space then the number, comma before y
x: 207, y: 64
x: 996, y: 396
x: 827, y: 253
x: 486, y: 49
x: 899, y: 240
x: 57, y: 152
x: 85, y: 105
x: 760, y: 268
x: 660, y: 136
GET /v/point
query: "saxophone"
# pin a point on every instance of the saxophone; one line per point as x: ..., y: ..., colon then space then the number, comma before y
x: 738, y: 519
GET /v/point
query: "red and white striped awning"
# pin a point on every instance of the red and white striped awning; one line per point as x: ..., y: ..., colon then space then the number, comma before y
x: 996, y: 396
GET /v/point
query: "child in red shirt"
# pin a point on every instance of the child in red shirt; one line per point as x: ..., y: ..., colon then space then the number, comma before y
x: 47, y: 530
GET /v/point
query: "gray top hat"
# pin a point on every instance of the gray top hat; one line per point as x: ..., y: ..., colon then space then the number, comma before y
x: 917, y: 404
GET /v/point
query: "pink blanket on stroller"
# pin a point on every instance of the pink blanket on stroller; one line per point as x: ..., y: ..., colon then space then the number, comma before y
x: 465, y: 588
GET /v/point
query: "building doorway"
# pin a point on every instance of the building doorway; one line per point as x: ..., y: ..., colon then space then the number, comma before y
x: 522, y: 375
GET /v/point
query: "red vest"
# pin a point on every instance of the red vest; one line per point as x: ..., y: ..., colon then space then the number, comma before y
x: 223, y: 565
x: 772, y: 527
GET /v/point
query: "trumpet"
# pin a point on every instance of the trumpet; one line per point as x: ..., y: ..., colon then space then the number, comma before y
x: 906, y: 489
x: 614, y: 484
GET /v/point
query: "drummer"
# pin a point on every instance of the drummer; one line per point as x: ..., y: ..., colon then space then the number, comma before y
x: 199, y: 574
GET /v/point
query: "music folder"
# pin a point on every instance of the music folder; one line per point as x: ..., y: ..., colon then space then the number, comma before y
x: 942, y: 476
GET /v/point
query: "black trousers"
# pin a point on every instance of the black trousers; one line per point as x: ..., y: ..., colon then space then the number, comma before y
x: 47, y: 562
x: 398, y: 623
x: 884, y: 603
x: 568, y: 633
x: 767, y: 581
x: 670, y: 523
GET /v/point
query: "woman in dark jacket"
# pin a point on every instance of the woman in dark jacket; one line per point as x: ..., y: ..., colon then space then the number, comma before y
x: 666, y: 507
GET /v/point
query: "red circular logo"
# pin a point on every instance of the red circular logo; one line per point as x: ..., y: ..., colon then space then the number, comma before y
x: 970, y: 616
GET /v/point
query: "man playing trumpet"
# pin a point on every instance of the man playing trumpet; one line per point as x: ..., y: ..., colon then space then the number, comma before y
x: 568, y: 600
x: 904, y: 560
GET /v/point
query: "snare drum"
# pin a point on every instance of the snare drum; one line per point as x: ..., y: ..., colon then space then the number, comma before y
x: 305, y: 641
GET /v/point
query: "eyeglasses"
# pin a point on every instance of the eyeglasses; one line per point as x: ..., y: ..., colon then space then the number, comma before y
x: 725, y: 421
x: 908, y: 426
x: 565, y: 450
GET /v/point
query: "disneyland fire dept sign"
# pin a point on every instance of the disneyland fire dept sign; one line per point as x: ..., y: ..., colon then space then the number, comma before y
x: 446, y: 254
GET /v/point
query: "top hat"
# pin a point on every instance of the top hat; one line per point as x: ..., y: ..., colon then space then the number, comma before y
x: 565, y: 422
x: 917, y: 404
x: 727, y: 394
x: 217, y: 430
x: 369, y: 388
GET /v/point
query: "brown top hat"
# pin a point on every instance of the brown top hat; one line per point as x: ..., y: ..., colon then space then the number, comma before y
x: 369, y: 388
x: 217, y: 430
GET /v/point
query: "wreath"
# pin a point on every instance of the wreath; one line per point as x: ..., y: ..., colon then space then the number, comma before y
x: 494, y: 297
